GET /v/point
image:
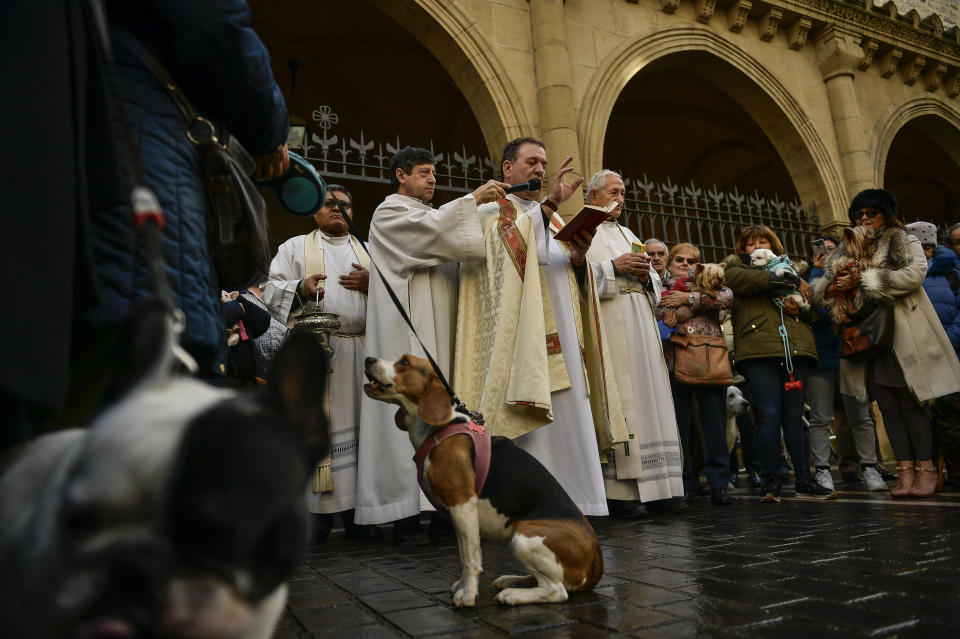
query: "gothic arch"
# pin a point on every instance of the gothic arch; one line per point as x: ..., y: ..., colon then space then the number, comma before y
x: 467, y: 56
x: 804, y: 153
x: 898, y: 115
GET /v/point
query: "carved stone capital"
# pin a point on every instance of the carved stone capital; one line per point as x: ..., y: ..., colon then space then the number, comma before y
x: 869, y: 47
x: 669, y: 6
x: 797, y: 35
x: 890, y: 61
x: 838, y: 51
x: 769, y: 23
x: 933, y: 77
x: 912, y: 68
x: 705, y: 9
x: 952, y: 84
x: 737, y: 15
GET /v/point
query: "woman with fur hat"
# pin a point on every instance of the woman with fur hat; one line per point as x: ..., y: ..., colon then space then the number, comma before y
x: 921, y: 366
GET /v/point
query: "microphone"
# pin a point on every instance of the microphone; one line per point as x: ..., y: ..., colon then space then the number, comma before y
x: 532, y: 185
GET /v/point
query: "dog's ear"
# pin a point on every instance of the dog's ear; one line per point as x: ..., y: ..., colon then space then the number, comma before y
x: 697, y: 269
x: 297, y: 385
x: 434, y: 406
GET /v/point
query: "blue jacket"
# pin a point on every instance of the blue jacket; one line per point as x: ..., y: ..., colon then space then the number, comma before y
x: 937, y: 287
x: 828, y: 346
x: 211, y: 51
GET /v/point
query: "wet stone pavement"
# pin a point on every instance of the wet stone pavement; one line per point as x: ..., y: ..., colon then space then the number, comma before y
x: 861, y: 566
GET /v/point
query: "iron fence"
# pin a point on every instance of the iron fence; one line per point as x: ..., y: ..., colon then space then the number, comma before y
x: 711, y: 219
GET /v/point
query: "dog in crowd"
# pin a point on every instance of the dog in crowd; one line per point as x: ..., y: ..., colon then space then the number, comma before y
x: 737, y: 405
x: 704, y: 278
x: 178, y: 512
x: 519, y: 501
x: 778, y: 264
x: 854, y: 255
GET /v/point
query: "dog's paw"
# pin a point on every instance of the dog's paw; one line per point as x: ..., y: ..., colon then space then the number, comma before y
x: 514, y: 581
x: 465, y: 597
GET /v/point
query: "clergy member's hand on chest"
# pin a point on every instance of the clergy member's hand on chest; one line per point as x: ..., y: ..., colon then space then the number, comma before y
x: 356, y: 280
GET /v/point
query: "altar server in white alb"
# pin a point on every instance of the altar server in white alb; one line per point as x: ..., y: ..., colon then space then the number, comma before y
x: 649, y: 466
x: 330, y: 265
x: 417, y: 248
x: 531, y: 352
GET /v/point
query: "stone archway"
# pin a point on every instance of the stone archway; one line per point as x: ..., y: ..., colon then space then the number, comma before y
x: 917, y: 157
x: 777, y: 113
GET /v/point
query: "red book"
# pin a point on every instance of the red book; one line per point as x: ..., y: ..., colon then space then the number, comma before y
x: 589, y: 218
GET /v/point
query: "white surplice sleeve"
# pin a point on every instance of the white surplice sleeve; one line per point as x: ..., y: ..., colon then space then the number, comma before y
x: 410, y: 238
x: 286, y: 271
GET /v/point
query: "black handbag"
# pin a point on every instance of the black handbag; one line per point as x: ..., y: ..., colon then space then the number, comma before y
x: 238, y: 234
x: 869, y: 335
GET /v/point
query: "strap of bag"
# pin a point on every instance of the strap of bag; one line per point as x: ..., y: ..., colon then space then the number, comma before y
x: 195, y: 123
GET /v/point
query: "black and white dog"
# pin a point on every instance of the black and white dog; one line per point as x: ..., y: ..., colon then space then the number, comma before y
x: 178, y: 512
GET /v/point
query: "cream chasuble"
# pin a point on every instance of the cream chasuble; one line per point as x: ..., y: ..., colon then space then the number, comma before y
x: 417, y: 248
x: 521, y: 349
x: 649, y: 466
x: 297, y: 258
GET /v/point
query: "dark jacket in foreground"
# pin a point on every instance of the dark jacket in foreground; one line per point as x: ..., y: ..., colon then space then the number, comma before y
x: 210, y: 49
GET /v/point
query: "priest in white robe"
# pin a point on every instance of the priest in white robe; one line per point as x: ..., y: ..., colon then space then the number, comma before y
x: 648, y: 467
x: 530, y: 348
x: 416, y: 248
x: 329, y: 268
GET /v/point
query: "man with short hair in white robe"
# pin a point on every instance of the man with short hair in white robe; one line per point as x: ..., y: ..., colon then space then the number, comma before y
x: 329, y: 265
x: 416, y: 248
x: 530, y: 353
x: 649, y: 467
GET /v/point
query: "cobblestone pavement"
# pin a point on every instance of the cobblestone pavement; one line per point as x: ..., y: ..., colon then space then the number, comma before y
x: 861, y: 566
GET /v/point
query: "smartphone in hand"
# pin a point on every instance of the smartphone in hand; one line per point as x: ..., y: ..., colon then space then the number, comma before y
x: 819, y: 247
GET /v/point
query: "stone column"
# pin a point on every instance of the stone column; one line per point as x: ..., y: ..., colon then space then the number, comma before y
x: 838, y: 54
x: 555, y: 92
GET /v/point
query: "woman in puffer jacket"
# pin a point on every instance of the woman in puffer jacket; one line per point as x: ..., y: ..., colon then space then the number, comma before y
x: 942, y: 283
x: 921, y: 365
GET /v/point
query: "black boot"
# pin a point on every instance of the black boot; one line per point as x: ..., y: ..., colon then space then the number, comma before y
x: 362, y: 532
x: 720, y: 497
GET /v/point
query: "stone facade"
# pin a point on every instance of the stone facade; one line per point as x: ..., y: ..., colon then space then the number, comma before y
x: 831, y: 83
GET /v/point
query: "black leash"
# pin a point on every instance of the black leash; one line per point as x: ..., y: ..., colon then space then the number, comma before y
x: 393, y: 296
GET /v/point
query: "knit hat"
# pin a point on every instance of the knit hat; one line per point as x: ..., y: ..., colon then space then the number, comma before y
x: 877, y: 199
x: 923, y: 231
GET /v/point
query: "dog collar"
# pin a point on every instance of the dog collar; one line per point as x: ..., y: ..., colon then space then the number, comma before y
x: 481, y: 456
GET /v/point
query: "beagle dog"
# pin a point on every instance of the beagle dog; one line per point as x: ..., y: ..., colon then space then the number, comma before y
x: 519, y: 500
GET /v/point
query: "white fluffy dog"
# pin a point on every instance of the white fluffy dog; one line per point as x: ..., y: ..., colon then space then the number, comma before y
x: 778, y: 264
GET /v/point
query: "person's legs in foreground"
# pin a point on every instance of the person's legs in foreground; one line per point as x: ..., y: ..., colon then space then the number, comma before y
x: 820, y: 389
x: 911, y: 437
x: 712, y: 401
x: 865, y: 439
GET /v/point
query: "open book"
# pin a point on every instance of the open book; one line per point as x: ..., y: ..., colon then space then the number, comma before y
x: 589, y: 218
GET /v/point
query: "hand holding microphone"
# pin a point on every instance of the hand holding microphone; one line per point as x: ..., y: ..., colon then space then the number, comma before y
x: 491, y: 192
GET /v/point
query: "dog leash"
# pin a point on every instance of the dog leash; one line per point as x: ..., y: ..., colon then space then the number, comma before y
x: 459, y: 405
x: 793, y: 384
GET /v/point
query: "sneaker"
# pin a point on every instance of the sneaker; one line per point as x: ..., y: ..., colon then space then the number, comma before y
x: 807, y: 488
x: 756, y: 484
x: 885, y: 474
x: 824, y: 478
x: 872, y: 478
x: 720, y: 497
x: 771, y: 490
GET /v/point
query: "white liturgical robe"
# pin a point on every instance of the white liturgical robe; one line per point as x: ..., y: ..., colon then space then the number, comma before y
x: 649, y: 466
x: 417, y: 249
x: 345, y: 383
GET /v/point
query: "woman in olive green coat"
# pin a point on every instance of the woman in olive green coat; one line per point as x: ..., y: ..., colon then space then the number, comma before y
x: 760, y: 356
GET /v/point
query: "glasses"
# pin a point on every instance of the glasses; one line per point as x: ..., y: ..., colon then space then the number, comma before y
x: 332, y: 204
x: 870, y: 213
x: 689, y: 260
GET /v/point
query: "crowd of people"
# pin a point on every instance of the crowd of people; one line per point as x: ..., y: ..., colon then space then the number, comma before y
x: 577, y: 354
x: 579, y: 350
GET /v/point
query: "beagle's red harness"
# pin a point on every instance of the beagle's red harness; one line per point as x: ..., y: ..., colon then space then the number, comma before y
x: 481, y: 448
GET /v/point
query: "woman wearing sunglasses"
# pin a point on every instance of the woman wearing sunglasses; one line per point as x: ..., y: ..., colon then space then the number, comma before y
x: 777, y: 377
x: 921, y: 366
x: 711, y: 400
